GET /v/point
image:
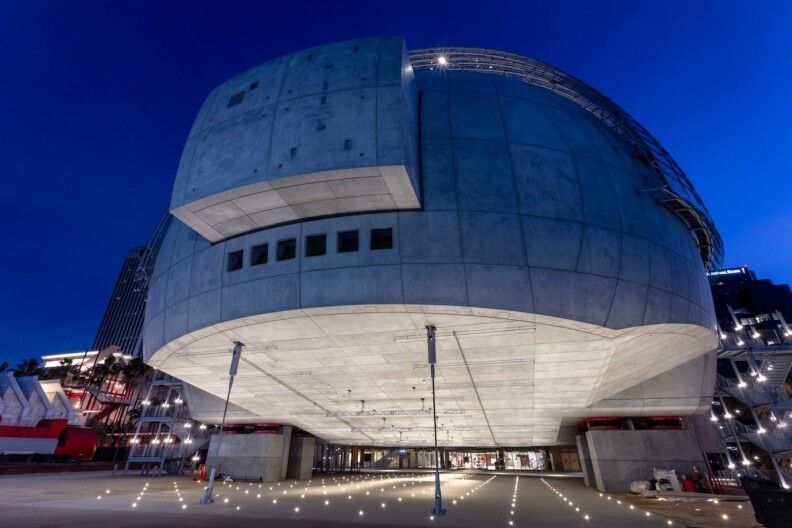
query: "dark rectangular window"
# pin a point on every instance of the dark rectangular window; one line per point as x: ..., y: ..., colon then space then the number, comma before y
x: 347, y: 241
x: 287, y: 249
x: 382, y: 238
x: 259, y: 254
x: 236, y: 99
x: 235, y: 260
x: 315, y: 245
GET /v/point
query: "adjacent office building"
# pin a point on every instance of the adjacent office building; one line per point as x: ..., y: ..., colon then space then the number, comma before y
x: 122, y: 323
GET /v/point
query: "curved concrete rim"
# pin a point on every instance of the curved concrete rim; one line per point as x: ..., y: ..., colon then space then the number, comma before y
x: 515, y: 378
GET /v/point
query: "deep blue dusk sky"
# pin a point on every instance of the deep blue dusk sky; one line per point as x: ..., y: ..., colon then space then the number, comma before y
x: 96, y: 99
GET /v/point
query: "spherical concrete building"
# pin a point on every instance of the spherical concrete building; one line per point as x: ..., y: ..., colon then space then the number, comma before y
x: 334, y: 202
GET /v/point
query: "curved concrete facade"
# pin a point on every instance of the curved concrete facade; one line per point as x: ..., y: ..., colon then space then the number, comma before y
x: 520, y: 228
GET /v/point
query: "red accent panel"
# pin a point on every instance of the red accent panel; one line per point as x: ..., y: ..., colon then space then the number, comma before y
x: 78, y: 443
x: 44, y: 429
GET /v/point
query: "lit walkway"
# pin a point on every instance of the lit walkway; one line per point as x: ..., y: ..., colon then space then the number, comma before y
x: 369, y: 499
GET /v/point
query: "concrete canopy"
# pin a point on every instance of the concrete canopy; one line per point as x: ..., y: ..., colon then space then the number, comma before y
x: 516, y: 377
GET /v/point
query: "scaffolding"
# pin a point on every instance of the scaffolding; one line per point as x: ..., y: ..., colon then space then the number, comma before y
x: 674, y: 190
x: 760, y: 362
x: 166, y: 436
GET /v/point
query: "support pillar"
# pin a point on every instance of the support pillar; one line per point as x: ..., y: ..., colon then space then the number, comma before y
x: 286, y: 431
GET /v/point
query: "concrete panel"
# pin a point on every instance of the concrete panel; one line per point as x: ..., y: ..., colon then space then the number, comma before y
x: 577, y: 296
x: 632, y: 202
x: 634, y: 259
x: 629, y: 305
x: 442, y: 284
x: 175, y: 320
x: 655, y: 224
x: 300, y: 146
x: 619, y: 457
x: 600, y: 252
x: 153, y: 331
x: 476, y: 116
x: 599, y: 206
x: 271, y: 294
x: 156, y: 302
x: 301, y: 453
x: 660, y: 267
x: 430, y: 237
x: 613, y: 152
x: 262, y: 201
x: 680, y: 309
x: 166, y: 250
x: 551, y: 243
x: 230, y: 154
x: 204, y: 309
x: 178, y: 282
x: 218, y: 107
x: 567, y: 122
x: 439, y: 184
x: 274, y: 216
x: 207, y: 269
x: 337, y: 64
x: 692, y: 379
x: 658, y: 307
x: 526, y: 123
x: 393, y: 134
x: 502, y: 287
x: 547, y: 183
x: 435, y: 115
x: 483, y: 176
x: 492, y: 239
x: 584, y: 455
x: 204, y: 405
x: 183, y: 242
x: 364, y: 285
x: 679, y: 276
x: 255, y: 457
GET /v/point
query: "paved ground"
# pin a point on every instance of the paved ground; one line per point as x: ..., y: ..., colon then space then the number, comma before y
x: 369, y: 499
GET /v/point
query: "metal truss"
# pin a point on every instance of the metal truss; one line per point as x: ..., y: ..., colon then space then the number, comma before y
x: 394, y: 429
x: 412, y: 412
x: 674, y: 191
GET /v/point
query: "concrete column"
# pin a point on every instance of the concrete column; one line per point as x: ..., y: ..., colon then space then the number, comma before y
x: 585, y: 461
x: 620, y: 457
x: 286, y: 431
x: 301, y: 457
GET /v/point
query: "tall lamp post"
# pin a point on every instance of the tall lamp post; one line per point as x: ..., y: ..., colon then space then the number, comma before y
x: 235, y: 355
x: 430, y: 337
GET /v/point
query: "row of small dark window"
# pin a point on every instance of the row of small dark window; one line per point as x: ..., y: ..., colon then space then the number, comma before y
x: 315, y: 245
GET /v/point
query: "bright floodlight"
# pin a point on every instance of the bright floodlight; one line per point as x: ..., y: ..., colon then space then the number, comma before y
x: 442, y: 61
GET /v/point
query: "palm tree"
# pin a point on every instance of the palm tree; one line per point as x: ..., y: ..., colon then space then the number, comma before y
x: 27, y: 367
x: 60, y: 372
x: 134, y: 370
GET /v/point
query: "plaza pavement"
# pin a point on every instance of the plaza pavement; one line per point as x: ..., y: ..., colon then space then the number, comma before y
x: 377, y: 499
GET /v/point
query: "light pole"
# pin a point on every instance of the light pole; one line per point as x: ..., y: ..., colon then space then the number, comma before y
x: 430, y: 337
x: 235, y: 355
